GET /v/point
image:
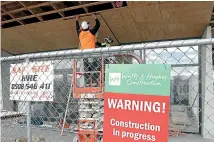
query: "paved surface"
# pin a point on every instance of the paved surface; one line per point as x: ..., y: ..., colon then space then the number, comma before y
x: 9, y: 134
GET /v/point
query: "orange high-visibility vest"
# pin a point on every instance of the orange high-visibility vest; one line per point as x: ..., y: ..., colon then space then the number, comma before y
x: 87, y: 40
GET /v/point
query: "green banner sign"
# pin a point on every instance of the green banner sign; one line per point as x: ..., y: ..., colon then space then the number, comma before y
x: 152, y: 79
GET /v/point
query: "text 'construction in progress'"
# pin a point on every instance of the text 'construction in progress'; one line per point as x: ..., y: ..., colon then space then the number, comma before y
x: 136, y: 102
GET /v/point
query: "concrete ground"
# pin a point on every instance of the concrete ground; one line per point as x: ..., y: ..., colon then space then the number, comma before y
x: 10, y: 133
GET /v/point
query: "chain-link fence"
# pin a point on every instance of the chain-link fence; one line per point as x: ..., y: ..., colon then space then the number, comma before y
x: 68, y: 74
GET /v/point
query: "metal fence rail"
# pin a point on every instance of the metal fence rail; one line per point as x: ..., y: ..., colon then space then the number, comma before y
x: 191, y: 96
x: 65, y: 53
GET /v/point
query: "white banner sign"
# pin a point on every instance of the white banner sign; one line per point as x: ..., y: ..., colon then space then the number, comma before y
x: 32, y: 81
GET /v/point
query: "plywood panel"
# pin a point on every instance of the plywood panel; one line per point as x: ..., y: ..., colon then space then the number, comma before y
x: 185, y: 19
x: 13, y: 44
x: 118, y: 15
x: 146, y: 14
x: 141, y: 3
x: 122, y: 25
x: 186, y: 11
x: 52, y: 35
x: 189, y: 4
x: 55, y: 35
x: 140, y: 21
x: 150, y: 31
x: 148, y: 21
x: 183, y: 30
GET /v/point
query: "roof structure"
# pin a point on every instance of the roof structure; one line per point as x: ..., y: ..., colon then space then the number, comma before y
x: 32, y: 26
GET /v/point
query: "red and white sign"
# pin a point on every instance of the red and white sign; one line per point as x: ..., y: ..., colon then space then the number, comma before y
x: 131, y: 117
x: 32, y: 81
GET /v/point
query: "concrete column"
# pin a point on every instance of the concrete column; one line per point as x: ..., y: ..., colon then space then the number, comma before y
x: 207, y: 88
x: 5, y: 103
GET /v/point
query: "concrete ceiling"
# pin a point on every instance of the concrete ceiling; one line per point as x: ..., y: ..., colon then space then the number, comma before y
x: 134, y: 22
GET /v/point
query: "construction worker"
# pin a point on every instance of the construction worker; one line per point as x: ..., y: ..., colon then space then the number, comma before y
x: 88, y: 41
x: 106, y: 43
x: 86, y: 35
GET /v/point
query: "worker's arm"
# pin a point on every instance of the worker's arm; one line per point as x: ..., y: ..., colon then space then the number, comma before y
x: 77, y: 25
x: 96, y: 27
x: 98, y: 44
x: 101, y: 44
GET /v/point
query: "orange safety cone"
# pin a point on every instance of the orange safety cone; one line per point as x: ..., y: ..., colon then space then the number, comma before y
x: 61, y: 124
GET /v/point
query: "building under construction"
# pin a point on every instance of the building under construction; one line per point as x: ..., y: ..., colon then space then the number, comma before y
x: 142, y: 32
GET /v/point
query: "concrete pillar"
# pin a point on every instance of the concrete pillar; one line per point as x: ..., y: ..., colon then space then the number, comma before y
x: 207, y: 88
x: 5, y: 103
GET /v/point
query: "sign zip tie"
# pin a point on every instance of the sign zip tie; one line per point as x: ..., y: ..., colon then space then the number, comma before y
x: 165, y: 66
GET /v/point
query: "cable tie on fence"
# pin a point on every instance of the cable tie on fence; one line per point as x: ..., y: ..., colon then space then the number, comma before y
x: 165, y: 66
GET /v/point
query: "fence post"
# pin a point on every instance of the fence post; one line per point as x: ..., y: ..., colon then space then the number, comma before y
x: 207, y: 88
x: 29, y: 133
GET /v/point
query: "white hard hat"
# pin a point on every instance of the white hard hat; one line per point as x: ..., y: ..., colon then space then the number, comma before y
x: 84, y: 25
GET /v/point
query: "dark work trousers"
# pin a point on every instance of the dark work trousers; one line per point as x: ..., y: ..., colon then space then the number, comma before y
x: 106, y: 61
x: 90, y: 67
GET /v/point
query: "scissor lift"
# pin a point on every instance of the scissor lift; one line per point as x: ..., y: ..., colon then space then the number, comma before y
x: 88, y: 92
x: 94, y: 94
x: 87, y: 134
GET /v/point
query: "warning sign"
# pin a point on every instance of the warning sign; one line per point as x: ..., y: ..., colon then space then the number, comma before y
x: 136, y: 103
x: 31, y: 81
